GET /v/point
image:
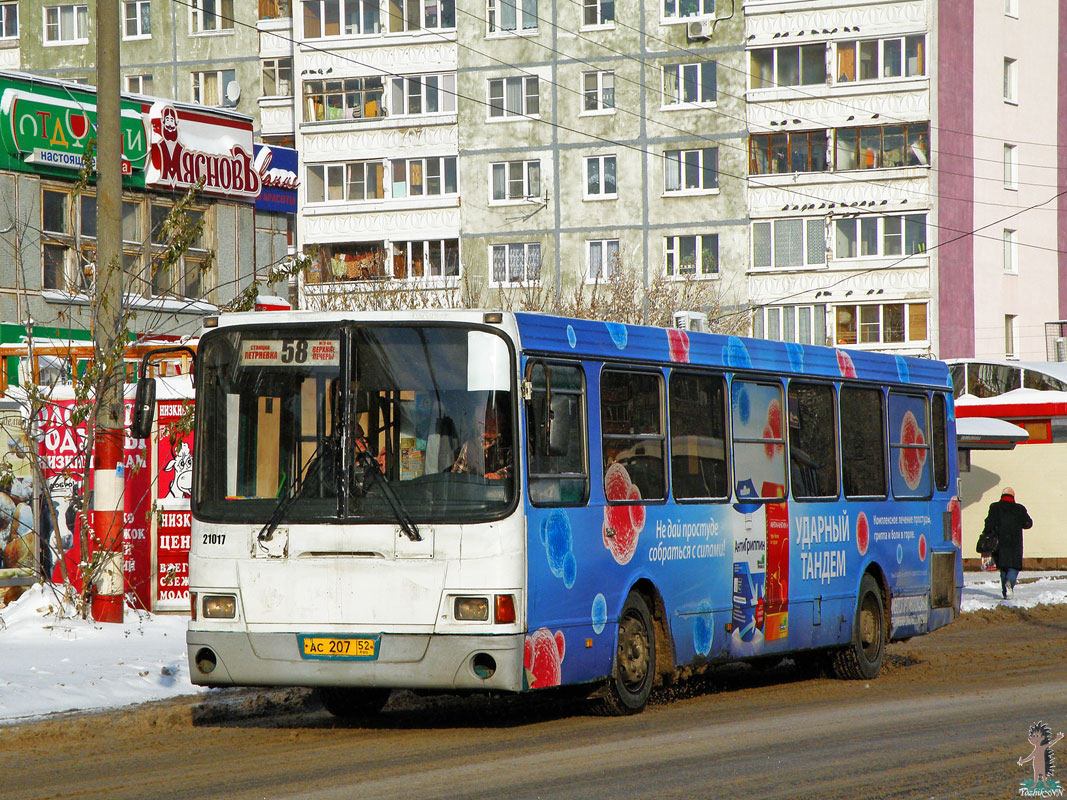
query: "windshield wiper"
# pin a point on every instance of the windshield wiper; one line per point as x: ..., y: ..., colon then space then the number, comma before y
x: 403, y: 518
x: 296, y: 491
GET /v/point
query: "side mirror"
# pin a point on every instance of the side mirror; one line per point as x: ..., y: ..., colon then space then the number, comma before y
x: 144, y: 409
x: 559, y: 425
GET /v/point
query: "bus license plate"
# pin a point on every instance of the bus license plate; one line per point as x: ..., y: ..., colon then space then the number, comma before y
x: 359, y: 648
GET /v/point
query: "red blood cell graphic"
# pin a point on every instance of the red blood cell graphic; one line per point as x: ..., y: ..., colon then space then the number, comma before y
x: 678, y: 340
x: 863, y: 534
x: 844, y: 363
x: 911, y: 460
x: 922, y: 546
x: 773, y: 429
x: 543, y: 658
x: 957, y: 521
x: 622, y: 524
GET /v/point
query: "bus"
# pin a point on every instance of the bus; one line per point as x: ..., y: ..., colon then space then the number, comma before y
x: 506, y: 502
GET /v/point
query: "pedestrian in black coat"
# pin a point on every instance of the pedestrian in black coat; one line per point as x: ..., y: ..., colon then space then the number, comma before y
x: 1008, y: 519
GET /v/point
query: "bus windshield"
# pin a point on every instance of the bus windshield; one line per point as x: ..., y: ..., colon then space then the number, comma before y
x: 331, y: 420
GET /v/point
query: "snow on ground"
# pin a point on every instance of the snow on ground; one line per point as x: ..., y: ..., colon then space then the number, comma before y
x: 53, y: 664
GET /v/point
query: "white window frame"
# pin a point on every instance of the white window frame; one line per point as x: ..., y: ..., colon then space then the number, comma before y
x: 1011, y: 81
x: 1011, y: 8
x: 775, y: 82
x: 513, y: 250
x: 205, y: 21
x: 674, y: 249
x: 777, y: 319
x: 884, y: 232
x: 605, y: 252
x: 689, y: 74
x: 420, y: 7
x: 439, y: 163
x: 879, y: 324
x: 198, y: 82
x: 79, y: 20
x: 336, y: 182
x: 1011, y: 335
x: 881, y: 61
x: 135, y: 84
x: 598, y: 86
x: 497, y: 98
x: 671, y: 11
x: 421, y: 88
x: 813, y: 230
x: 9, y: 20
x: 525, y: 11
x: 1011, y: 167
x: 346, y: 10
x: 597, y: 9
x: 601, y: 163
x: 406, y: 247
x: 530, y: 175
x: 141, y: 19
x: 676, y: 164
x: 1011, y: 251
x: 277, y: 68
x: 440, y: 6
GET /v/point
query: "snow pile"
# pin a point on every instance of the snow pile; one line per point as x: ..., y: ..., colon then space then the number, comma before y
x: 982, y: 590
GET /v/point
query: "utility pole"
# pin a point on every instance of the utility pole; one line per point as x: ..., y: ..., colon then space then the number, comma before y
x: 108, y: 479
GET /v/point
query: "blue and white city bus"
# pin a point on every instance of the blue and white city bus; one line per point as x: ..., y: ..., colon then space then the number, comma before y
x: 650, y: 500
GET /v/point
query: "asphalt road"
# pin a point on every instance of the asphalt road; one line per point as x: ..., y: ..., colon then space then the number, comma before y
x: 948, y: 718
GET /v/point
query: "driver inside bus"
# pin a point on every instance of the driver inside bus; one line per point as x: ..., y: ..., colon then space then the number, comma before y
x: 487, y: 452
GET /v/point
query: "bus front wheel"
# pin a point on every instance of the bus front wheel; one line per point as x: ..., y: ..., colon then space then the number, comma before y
x: 350, y: 703
x: 862, y: 659
x: 634, y: 670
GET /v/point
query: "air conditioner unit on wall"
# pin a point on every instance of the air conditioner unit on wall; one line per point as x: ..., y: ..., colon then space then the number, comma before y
x: 700, y: 28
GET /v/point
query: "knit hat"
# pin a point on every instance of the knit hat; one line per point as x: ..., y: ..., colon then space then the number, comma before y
x: 1007, y: 491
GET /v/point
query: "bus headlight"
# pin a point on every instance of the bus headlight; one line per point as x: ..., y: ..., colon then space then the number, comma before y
x: 472, y: 608
x: 220, y: 606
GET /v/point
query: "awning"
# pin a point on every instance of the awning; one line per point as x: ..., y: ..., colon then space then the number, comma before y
x: 988, y: 433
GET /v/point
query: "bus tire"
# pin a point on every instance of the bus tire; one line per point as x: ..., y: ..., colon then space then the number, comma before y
x: 634, y: 670
x: 862, y: 659
x: 353, y: 703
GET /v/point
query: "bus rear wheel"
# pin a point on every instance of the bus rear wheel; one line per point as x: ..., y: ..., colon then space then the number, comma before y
x: 634, y: 670
x: 352, y: 703
x: 862, y: 659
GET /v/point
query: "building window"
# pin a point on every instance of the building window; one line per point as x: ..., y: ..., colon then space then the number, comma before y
x: 689, y: 84
x: 137, y: 19
x: 800, y: 151
x: 802, y: 324
x: 275, y: 9
x: 190, y: 275
x: 357, y: 261
x: 902, y: 234
x: 351, y: 182
x: 415, y: 95
x: 516, y: 262
x: 66, y: 24
x: 1011, y: 167
x: 68, y: 239
x: 424, y: 177
x: 882, y: 147
x: 415, y: 15
x: 888, y: 323
x: 1010, y: 81
x: 326, y: 18
x: 212, y: 88
x: 1011, y: 8
x: 598, y: 12
x: 801, y: 65
x: 277, y: 77
x: 434, y: 258
x: 513, y: 97
x: 598, y: 91
x: 601, y: 178
x: 681, y: 9
x: 876, y: 59
x: 210, y: 16
x: 512, y: 15
x: 9, y: 20
x: 696, y: 255
x: 789, y: 242
x: 1010, y: 324
x: 603, y: 260
x: 1011, y: 251
x: 515, y: 181
x: 691, y: 171
x: 139, y: 84
x: 346, y: 99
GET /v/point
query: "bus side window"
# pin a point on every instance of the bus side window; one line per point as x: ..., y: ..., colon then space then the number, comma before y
x: 697, y: 413
x: 862, y: 416
x: 555, y: 425
x: 909, y: 446
x: 631, y: 416
x: 940, y: 437
x: 812, y: 440
x: 759, y: 443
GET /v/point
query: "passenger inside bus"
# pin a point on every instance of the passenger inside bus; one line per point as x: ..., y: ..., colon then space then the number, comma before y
x: 486, y: 453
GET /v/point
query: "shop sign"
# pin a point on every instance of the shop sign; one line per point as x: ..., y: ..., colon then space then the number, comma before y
x: 278, y: 168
